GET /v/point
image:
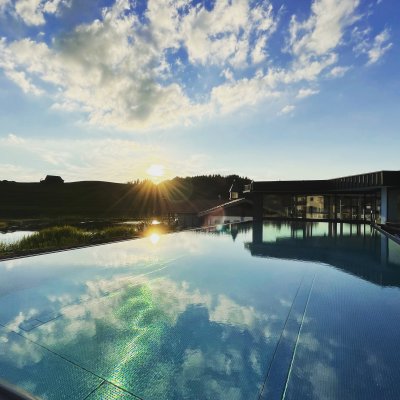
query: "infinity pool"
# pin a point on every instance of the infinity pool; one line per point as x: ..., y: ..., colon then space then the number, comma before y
x: 263, y: 311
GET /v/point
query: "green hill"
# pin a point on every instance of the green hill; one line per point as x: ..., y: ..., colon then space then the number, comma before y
x: 108, y: 199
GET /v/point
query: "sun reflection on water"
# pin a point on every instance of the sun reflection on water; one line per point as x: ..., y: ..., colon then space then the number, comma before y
x: 154, y: 238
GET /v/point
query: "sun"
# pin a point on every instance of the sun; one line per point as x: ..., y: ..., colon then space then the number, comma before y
x: 156, y: 172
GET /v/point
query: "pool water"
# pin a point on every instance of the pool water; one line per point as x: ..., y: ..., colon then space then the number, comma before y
x: 242, y: 311
x: 12, y: 237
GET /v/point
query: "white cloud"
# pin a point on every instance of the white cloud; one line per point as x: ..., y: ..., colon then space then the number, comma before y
x: 287, y: 109
x: 306, y: 92
x: 360, y: 39
x: 379, y: 47
x: 19, y: 78
x: 118, y: 70
x: 322, y: 32
x: 103, y: 159
x: 14, y: 139
x: 233, y: 95
x: 258, y: 53
x: 53, y: 6
x: 111, y: 68
x: 222, y: 35
x: 68, y: 106
x: 10, y: 171
x: 4, y: 4
x: 212, y: 37
x: 227, y: 74
x: 375, y: 47
x: 338, y: 72
x: 32, y: 12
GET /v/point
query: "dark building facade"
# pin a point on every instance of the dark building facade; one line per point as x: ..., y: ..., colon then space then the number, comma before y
x: 371, y: 197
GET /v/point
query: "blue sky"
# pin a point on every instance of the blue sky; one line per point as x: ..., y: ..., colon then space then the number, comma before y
x: 103, y: 89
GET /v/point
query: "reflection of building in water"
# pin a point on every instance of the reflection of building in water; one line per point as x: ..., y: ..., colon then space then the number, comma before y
x: 211, y: 220
x: 354, y: 248
x: 232, y: 229
x: 239, y: 210
x: 366, y: 197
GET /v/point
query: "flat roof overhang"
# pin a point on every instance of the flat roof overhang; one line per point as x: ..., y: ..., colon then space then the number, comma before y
x: 370, y: 182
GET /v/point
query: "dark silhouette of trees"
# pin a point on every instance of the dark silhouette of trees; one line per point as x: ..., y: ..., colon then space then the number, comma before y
x: 138, y: 198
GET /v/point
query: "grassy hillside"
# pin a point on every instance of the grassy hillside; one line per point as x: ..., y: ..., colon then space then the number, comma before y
x: 107, y: 199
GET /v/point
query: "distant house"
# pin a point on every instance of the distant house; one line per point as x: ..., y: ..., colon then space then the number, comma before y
x: 52, y: 179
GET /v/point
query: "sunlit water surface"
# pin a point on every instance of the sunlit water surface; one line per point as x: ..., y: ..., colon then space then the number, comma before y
x: 294, y: 311
x: 12, y: 237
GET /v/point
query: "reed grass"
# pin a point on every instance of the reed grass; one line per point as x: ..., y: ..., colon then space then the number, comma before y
x: 59, y: 237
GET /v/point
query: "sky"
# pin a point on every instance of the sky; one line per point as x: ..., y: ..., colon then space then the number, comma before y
x: 268, y: 89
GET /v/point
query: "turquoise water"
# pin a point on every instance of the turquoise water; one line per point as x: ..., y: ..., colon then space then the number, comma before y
x: 294, y: 311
